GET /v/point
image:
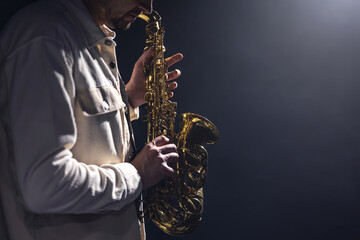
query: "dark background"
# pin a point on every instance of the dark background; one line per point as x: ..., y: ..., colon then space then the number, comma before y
x: 281, y: 81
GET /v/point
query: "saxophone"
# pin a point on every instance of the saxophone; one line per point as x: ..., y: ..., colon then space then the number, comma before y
x: 175, y: 206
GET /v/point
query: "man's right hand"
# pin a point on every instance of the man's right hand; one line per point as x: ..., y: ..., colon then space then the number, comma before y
x: 152, y: 161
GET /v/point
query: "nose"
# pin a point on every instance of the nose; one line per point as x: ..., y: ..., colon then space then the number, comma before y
x: 146, y: 6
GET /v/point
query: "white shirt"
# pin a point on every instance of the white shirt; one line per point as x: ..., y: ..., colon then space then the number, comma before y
x: 64, y: 135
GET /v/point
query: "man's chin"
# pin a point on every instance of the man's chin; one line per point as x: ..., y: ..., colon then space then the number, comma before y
x: 120, y: 26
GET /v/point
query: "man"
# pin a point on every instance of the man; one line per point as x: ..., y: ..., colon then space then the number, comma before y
x: 66, y: 143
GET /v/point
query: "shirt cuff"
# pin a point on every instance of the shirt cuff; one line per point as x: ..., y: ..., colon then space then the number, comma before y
x: 134, y: 113
x: 132, y: 179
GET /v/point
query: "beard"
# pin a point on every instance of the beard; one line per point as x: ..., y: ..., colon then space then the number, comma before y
x: 124, y: 22
x: 120, y: 25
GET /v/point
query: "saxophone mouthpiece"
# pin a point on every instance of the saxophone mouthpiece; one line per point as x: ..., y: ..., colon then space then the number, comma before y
x: 153, y: 17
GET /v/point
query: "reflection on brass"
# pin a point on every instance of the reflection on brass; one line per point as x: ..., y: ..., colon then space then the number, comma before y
x: 176, y: 207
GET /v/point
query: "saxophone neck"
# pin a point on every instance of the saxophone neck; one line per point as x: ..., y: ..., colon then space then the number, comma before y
x: 154, y: 22
x: 149, y: 18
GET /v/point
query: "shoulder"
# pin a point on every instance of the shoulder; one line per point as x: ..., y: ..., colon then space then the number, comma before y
x: 46, y: 19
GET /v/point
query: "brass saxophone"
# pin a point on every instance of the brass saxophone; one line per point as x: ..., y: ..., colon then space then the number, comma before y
x: 176, y: 207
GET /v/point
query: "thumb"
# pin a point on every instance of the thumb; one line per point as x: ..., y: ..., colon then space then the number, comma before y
x: 146, y: 56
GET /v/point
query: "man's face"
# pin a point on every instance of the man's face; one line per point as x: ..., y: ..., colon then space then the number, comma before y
x: 119, y: 14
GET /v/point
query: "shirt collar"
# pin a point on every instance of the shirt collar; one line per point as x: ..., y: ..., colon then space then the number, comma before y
x: 108, y: 32
x: 90, y: 31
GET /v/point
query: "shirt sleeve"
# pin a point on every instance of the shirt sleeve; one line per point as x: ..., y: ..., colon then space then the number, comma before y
x: 43, y: 130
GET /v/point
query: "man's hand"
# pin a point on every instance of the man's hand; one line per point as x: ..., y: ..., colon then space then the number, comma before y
x: 152, y: 161
x: 136, y: 87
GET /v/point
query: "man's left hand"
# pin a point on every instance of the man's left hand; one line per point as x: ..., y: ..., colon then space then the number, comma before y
x: 136, y: 87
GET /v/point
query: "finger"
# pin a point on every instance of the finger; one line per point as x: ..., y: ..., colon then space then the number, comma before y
x: 172, y: 86
x: 167, y: 148
x: 173, y: 75
x: 174, y: 59
x: 170, y: 94
x: 172, y: 157
x: 160, y: 140
x: 169, y: 172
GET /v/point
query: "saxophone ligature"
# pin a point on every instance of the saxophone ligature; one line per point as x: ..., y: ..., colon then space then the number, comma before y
x: 175, y: 206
